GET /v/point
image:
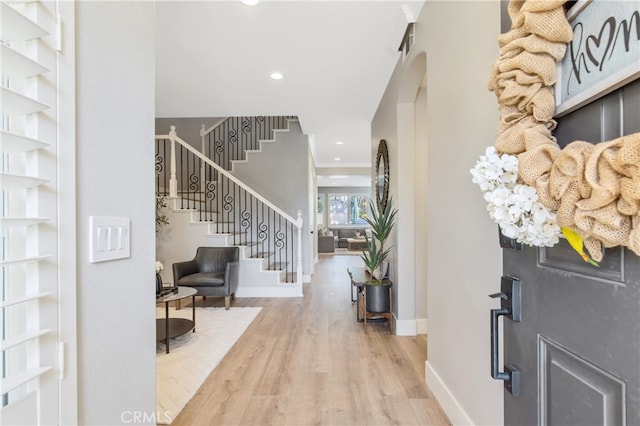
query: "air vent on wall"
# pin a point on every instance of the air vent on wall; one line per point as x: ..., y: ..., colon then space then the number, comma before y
x: 407, y: 39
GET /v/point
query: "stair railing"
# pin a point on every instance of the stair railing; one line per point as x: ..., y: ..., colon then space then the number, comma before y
x: 231, y: 206
x: 230, y: 138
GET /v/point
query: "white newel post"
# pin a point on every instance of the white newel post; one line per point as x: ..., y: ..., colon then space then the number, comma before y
x: 173, y: 181
x: 299, y: 223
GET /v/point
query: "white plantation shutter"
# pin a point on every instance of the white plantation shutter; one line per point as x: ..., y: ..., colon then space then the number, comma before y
x: 31, y: 358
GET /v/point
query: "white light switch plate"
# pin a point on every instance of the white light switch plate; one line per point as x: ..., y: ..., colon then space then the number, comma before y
x: 109, y: 238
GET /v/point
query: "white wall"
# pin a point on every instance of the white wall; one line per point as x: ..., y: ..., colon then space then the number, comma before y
x: 464, y: 262
x: 421, y: 207
x: 462, y: 254
x: 115, y: 126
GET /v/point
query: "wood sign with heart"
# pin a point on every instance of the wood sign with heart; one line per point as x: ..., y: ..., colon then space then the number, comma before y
x: 603, y: 55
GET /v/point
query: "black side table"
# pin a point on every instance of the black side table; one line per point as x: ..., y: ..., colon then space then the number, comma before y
x: 168, y: 328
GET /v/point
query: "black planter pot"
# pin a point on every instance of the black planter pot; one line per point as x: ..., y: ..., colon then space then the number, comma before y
x: 378, y: 298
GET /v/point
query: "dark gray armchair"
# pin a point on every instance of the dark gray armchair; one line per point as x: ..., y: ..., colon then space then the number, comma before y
x: 213, y: 272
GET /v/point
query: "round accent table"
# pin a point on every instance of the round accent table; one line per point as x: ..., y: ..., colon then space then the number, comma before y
x: 168, y: 328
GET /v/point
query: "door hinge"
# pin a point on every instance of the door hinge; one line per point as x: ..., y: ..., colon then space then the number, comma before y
x: 61, y: 360
x: 58, y: 34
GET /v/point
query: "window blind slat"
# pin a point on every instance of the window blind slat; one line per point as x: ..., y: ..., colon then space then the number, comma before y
x: 11, y: 222
x: 21, y: 339
x: 10, y: 383
x: 14, y: 26
x: 23, y: 260
x: 11, y: 143
x: 14, y: 103
x: 11, y: 182
x: 20, y: 300
x: 15, y: 65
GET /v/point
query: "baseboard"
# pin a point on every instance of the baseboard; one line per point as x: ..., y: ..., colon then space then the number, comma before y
x: 405, y: 327
x: 446, y: 399
x: 421, y: 325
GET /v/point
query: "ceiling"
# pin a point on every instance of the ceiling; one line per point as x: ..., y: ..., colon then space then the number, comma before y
x: 214, y: 59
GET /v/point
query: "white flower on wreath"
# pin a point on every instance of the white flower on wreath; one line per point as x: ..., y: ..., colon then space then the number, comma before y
x: 514, y: 206
x: 159, y: 267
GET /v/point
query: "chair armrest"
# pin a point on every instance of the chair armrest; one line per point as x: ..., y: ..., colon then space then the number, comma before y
x: 231, y: 276
x: 181, y: 269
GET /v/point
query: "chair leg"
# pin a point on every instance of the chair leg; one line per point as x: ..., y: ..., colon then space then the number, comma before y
x: 227, y: 302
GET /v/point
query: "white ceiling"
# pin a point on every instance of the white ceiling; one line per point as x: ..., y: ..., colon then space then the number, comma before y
x: 214, y: 59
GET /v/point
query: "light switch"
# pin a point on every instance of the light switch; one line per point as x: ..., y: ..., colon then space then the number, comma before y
x: 109, y: 238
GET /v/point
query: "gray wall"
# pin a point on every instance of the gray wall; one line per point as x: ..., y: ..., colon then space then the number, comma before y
x: 116, y: 304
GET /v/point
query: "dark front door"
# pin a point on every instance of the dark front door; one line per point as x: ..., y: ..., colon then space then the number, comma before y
x: 577, y: 344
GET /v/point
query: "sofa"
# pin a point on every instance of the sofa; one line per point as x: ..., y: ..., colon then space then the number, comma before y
x: 332, y: 238
x: 343, y: 234
x: 212, y: 272
x: 326, y: 243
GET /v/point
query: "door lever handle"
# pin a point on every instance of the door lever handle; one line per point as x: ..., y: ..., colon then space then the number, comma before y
x: 500, y: 295
x: 509, y: 307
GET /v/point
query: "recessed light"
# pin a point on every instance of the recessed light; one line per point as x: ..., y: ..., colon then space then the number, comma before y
x: 337, y: 159
x: 277, y: 76
x: 339, y: 143
x: 250, y: 2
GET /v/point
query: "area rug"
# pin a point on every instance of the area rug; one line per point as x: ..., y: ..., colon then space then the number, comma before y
x: 193, y: 356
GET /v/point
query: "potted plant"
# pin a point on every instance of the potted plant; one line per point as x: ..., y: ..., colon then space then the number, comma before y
x: 375, y: 255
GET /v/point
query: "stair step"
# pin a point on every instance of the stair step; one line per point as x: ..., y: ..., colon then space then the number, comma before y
x: 248, y: 244
x: 277, y: 266
x: 264, y: 254
x: 228, y: 234
x: 290, y: 278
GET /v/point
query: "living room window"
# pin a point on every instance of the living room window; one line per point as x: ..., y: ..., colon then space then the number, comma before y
x: 347, y: 209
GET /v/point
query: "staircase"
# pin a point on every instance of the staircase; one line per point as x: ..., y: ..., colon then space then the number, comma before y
x: 210, y: 206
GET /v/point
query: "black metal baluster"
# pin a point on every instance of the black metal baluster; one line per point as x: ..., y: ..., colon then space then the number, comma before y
x: 278, y: 244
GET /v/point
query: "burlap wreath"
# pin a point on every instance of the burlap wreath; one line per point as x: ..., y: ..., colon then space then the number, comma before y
x: 594, y: 189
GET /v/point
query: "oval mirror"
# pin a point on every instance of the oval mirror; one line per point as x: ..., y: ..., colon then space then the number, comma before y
x: 382, y: 175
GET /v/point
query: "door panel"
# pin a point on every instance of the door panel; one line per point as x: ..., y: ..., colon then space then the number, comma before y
x: 577, y: 346
x: 568, y: 380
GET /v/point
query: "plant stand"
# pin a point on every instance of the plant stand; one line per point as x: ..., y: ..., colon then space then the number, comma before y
x: 377, y: 302
x: 371, y: 310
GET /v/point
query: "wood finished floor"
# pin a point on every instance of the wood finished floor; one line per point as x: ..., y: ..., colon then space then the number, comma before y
x: 306, y: 361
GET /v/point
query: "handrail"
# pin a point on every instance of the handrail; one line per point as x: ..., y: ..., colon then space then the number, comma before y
x: 173, y: 137
x: 204, y: 132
